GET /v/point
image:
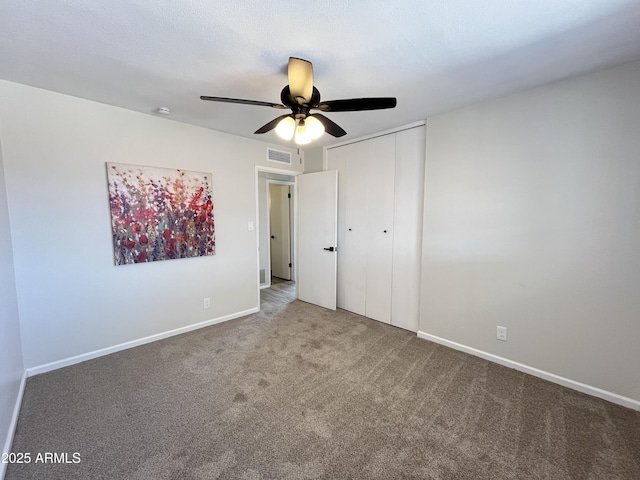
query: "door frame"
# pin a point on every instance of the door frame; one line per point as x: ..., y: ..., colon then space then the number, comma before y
x: 280, y: 171
x: 292, y: 223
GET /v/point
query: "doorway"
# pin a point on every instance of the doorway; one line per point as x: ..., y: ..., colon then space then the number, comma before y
x: 266, y: 178
x: 314, y: 280
x: 280, y: 230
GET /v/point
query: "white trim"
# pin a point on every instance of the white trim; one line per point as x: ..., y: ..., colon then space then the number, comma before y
x: 280, y: 182
x: 14, y: 422
x: 281, y: 171
x: 47, y: 367
x: 256, y: 227
x: 409, y: 126
x: 290, y: 173
x: 552, y: 377
x: 268, y: 272
x: 294, y: 273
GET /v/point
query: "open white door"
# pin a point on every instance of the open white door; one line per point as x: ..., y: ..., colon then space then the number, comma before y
x: 317, y: 238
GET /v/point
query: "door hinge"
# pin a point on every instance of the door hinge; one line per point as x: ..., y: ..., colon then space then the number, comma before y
x: 290, y: 265
x: 289, y: 195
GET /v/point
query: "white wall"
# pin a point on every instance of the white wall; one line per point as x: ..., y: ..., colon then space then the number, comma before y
x: 11, y: 368
x: 314, y: 160
x: 71, y: 298
x: 532, y: 221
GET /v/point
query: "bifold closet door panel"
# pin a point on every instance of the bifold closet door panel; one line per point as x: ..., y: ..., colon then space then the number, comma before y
x: 379, y: 239
x: 407, y: 234
x: 352, y: 259
x: 337, y: 160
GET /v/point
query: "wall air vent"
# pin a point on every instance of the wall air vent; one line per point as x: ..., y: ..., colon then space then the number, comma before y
x: 278, y: 156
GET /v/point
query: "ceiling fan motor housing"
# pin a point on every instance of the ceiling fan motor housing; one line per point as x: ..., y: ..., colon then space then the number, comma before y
x: 299, y: 110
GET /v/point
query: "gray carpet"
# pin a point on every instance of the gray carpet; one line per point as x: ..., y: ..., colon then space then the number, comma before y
x: 299, y: 392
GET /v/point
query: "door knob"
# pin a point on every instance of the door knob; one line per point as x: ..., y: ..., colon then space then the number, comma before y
x: 273, y: 236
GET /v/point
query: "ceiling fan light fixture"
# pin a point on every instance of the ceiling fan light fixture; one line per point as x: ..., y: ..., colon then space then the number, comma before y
x: 286, y: 128
x: 315, y: 128
x: 301, y: 96
x: 302, y: 135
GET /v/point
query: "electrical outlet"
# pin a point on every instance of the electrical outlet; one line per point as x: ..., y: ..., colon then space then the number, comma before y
x: 207, y: 302
x: 501, y: 333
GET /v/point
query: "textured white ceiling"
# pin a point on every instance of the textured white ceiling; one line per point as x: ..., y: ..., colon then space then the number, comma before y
x: 434, y: 56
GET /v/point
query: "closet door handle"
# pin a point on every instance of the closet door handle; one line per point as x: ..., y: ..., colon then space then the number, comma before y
x: 331, y: 249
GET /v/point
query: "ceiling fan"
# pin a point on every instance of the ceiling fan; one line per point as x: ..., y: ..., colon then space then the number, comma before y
x: 302, y: 97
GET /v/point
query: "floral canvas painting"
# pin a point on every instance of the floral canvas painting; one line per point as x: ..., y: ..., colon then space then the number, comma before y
x: 160, y: 213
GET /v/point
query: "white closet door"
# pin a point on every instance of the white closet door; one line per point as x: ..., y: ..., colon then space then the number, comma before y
x: 407, y: 235
x: 337, y: 160
x: 380, y: 167
x: 354, y: 249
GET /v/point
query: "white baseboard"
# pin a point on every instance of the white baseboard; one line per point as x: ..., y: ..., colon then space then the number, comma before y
x: 566, y: 382
x: 47, y: 367
x: 14, y: 422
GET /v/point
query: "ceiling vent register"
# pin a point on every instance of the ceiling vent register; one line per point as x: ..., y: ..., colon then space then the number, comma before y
x: 278, y: 156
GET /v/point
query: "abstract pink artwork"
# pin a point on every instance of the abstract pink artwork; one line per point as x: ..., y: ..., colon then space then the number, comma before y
x: 160, y: 213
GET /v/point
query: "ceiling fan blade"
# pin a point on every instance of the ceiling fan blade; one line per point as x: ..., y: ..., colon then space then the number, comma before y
x: 271, y: 125
x: 244, y: 102
x: 300, y: 79
x: 357, y: 104
x: 330, y: 126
